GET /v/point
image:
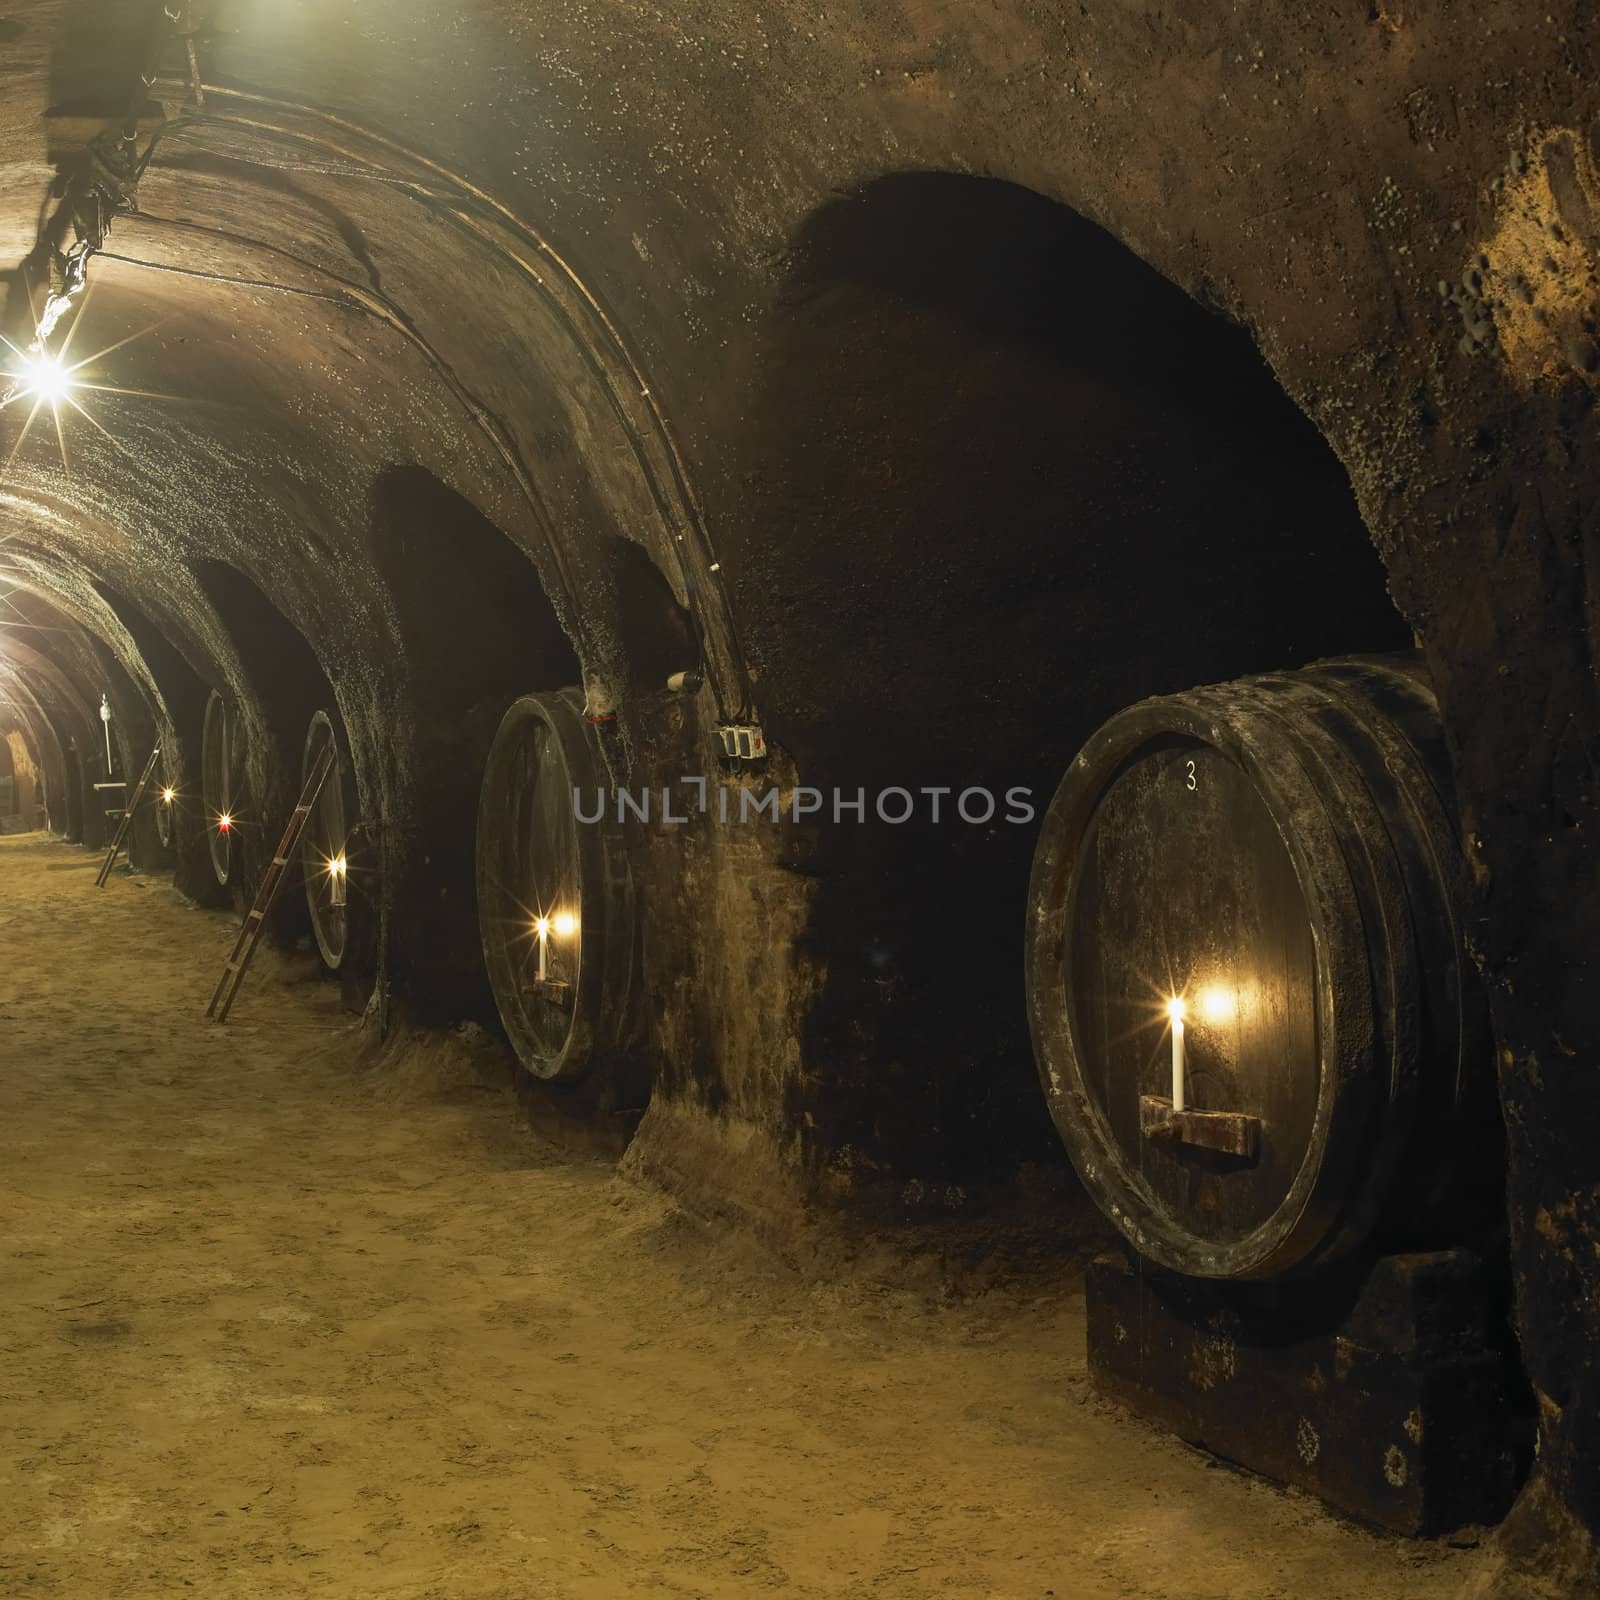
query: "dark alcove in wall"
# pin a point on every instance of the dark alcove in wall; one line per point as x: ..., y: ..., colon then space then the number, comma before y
x: 1082, y: 489
x: 656, y: 636
x: 478, y: 631
x: 286, y: 680
x: 64, y: 672
x: 184, y: 692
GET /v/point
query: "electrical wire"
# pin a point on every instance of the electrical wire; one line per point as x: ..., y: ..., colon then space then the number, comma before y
x: 692, y: 516
x: 355, y: 298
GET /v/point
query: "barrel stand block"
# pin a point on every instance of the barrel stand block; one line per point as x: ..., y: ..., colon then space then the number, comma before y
x: 1393, y: 1399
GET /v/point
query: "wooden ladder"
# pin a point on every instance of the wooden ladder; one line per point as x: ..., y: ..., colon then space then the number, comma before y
x: 255, y: 922
x: 125, y: 822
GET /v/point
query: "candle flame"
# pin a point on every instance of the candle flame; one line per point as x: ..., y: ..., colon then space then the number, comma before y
x: 1177, y: 1009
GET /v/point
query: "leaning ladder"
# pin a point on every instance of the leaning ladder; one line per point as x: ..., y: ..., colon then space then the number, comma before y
x: 125, y: 822
x: 255, y: 921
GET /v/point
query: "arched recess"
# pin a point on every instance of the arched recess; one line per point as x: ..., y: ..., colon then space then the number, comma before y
x: 478, y: 630
x: 167, y: 657
x: 656, y: 635
x: 46, y: 749
x: 1000, y: 479
x: 27, y: 766
x: 25, y: 799
x: 283, y: 685
x: 34, y: 679
x: 86, y: 668
x: 36, y: 714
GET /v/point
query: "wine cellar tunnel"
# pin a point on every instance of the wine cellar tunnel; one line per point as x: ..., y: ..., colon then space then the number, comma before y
x: 878, y: 728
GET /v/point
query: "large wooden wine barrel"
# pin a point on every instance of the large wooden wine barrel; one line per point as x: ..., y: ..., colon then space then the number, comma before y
x: 325, y: 844
x: 1280, y: 855
x: 166, y: 783
x: 221, y: 781
x: 151, y: 841
x: 546, y: 880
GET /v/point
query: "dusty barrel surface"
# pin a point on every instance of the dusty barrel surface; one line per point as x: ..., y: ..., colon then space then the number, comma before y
x: 1279, y: 855
x: 555, y: 895
x: 221, y: 780
x: 325, y: 844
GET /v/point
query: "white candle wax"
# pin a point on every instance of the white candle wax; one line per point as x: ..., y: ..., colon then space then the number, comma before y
x: 1177, y: 1060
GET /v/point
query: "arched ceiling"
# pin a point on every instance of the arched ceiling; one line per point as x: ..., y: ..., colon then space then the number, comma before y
x: 534, y: 250
x: 528, y: 247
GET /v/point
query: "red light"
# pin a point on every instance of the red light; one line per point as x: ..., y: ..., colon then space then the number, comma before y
x: 223, y: 824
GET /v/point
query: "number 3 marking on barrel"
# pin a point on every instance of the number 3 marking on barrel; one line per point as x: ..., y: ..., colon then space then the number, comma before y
x: 1191, y: 784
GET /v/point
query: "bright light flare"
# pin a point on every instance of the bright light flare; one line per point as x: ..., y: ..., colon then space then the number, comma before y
x: 45, y: 378
x: 541, y: 926
x: 337, y: 867
x: 1218, y: 1004
x: 168, y: 796
x: 1177, y: 1008
x: 563, y: 924
x: 49, y: 382
x: 224, y: 823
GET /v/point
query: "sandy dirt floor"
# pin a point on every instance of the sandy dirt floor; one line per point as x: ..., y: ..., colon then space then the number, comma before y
x: 285, y: 1315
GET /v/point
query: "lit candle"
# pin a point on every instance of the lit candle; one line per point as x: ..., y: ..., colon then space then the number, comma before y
x: 1176, y: 1010
x: 542, y: 927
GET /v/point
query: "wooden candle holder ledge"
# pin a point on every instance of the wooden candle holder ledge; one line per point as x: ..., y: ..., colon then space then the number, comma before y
x: 551, y: 989
x: 1231, y: 1132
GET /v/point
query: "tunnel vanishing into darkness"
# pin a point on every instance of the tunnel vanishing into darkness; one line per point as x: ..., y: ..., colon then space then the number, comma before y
x: 957, y: 648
